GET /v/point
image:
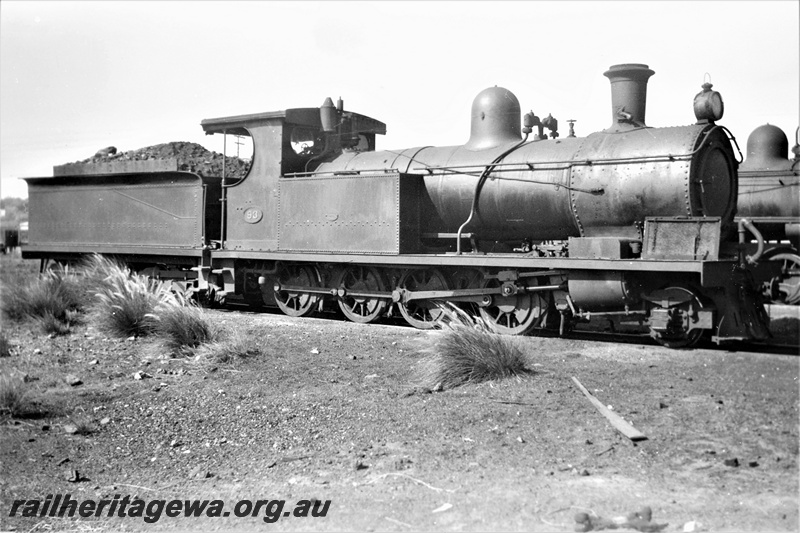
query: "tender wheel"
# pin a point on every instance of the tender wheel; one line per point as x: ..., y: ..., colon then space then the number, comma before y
x: 673, y: 331
x: 422, y: 314
x: 295, y: 303
x: 357, y: 307
x: 517, y: 314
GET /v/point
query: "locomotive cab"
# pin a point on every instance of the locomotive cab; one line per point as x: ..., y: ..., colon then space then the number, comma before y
x: 285, y: 144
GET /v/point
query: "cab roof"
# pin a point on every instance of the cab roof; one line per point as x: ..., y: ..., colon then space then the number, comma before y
x: 301, y: 116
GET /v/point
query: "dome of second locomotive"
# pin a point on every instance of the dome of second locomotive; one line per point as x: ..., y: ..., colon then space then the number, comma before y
x: 495, y: 119
x: 767, y: 149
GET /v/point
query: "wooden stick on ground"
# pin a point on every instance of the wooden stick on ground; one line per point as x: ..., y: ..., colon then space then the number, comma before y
x: 619, y: 424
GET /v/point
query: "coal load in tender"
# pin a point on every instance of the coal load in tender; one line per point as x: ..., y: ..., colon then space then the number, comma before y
x: 191, y: 157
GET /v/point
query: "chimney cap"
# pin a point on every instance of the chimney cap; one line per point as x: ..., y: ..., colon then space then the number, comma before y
x: 629, y: 69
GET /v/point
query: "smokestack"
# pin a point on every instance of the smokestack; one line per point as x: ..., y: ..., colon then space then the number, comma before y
x: 628, y: 94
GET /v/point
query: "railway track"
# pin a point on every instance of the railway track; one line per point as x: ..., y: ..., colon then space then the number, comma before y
x: 786, y: 341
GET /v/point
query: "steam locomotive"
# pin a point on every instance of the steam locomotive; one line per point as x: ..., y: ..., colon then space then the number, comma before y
x: 520, y: 225
x: 769, y: 196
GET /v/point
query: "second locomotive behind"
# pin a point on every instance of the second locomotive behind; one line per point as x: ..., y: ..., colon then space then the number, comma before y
x: 769, y: 196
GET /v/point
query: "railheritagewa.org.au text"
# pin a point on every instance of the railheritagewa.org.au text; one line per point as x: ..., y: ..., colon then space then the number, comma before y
x: 151, y: 511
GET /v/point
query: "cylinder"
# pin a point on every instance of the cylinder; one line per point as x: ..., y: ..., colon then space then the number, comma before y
x: 594, y: 291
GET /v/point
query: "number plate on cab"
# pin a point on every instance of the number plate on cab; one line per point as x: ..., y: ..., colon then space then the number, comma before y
x: 253, y: 215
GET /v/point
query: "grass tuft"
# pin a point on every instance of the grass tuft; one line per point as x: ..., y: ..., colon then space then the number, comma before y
x: 228, y: 349
x: 54, y: 325
x: 126, y: 303
x: 98, y: 271
x: 13, y: 395
x: 5, y: 345
x: 121, y: 304
x: 55, y: 299
x: 82, y: 426
x: 182, y: 328
x: 468, y: 351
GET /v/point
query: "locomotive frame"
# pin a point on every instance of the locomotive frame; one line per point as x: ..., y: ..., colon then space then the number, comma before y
x: 322, y: 219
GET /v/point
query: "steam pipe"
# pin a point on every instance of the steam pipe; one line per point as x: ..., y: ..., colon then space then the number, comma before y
x: 481, y: 181
x: 750, y: 259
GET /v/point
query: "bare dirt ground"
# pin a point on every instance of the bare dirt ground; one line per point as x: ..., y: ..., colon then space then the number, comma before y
x: 330, y: 412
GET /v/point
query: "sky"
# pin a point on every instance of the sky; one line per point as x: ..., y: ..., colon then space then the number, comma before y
x: 79, y: 76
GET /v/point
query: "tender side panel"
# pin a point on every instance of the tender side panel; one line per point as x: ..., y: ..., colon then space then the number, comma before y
x: 141, y: 210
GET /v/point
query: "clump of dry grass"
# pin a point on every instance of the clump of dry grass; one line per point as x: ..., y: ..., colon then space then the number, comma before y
x: 182, y: 328
x: 58, y: 325
x: 5, y: 345
x: 58, y: 298
x: 13, y: 395
x: 54, y: 299
x: 229, y: 347
x: 126, y: 303
x: 133, y: 305
x: 99, y: 271
x: 468, y: 351
x: 81, y: 426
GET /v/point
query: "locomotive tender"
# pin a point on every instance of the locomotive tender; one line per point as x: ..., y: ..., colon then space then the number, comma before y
x: 633, y: 222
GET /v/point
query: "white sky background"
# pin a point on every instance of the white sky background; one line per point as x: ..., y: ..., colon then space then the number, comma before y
x: 79, y: 76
